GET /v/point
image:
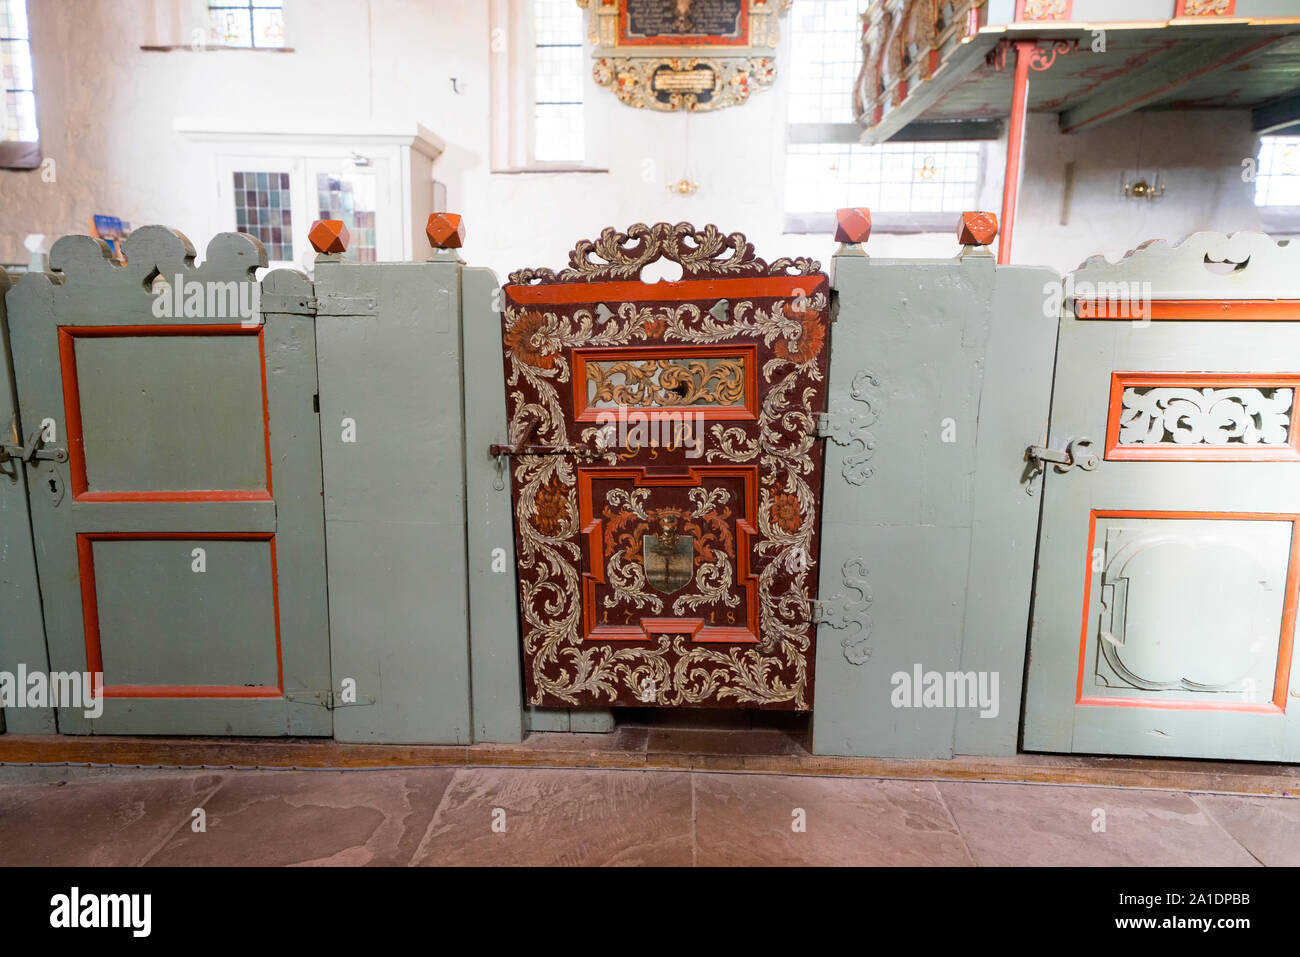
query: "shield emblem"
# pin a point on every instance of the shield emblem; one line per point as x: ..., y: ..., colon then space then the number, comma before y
x: 668, y: 557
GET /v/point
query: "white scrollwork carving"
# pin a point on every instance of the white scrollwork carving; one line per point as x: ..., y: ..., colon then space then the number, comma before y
x: 1181, y: 416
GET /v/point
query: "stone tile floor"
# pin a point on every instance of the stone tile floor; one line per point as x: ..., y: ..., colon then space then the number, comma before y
x: 446, y: 816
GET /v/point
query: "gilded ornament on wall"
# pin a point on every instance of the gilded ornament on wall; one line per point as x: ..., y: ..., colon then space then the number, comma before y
x: 693, y: 55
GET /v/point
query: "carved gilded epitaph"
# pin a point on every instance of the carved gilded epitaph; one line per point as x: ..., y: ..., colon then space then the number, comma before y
x: 684, y: 54
x: 667, y: 477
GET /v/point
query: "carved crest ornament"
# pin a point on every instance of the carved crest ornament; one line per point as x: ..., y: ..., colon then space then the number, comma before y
x: 694, y: 55
x: 667, y: 490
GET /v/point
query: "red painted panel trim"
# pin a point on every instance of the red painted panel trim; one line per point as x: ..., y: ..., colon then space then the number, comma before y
x: 592, y: 528
x: 703, y: 40
x: 90, y: 617
x: 1119, y: 381
x: 1222, y: 310
x: 747, y: 412
x: 1286, y: 638
x: 76, y: 435
x: 1015, y: 148
x: 637, y: 291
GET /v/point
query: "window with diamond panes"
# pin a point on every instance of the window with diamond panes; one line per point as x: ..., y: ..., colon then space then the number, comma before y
x: 558, y: 78
x: 1277, y: 175
x: 19, y: 91
x: 250, y: 23
x: 263, y: 204
x: 351, y: 197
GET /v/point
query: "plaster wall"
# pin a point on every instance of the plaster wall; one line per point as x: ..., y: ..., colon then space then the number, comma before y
x: 108, y: 108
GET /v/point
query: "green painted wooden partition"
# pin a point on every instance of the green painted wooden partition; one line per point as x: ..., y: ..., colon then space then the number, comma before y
x: 22, y: 640
x: 421, y: 556
x: 176, y: 511
x: 939, y: 379
x: 1169, y: 568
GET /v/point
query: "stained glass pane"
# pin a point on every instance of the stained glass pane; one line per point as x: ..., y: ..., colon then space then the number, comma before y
x: 263, y: 209
x: 247, y: 23
x: 351, y: 197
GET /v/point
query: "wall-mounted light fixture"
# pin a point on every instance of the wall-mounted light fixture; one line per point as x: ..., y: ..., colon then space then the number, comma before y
x: 684, y: 187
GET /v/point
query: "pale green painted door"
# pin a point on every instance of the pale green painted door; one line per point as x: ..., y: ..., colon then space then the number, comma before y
x: 179, y: 523
x: 1165, y: 601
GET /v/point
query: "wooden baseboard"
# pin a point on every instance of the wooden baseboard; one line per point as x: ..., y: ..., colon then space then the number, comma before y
x: 603, y: 751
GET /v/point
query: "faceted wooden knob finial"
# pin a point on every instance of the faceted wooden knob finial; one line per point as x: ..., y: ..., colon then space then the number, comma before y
x: 329, y: 236
x: 977, y: 229
x: 852, y: 225
x: 446, y: 231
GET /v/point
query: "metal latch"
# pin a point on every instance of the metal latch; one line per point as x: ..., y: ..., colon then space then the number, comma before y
x: 34, y: 449
x: 328, y: 699
x: 522, y: 447
x: 1076, y: 454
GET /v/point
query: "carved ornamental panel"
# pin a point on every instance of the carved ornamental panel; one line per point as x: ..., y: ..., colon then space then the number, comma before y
x: 666, y: 472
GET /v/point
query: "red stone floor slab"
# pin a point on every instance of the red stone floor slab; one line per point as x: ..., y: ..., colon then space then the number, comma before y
x: 70, y: 816
x: 1268, y: 827
x: 312, y: 817
x: 557, y: 817
x: 1045, y: 825
x: 755, y: 819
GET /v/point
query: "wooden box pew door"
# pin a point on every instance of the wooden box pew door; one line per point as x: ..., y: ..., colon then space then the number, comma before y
x: 1165, y: 603
x: 176, y: 503
x: 666, y: 473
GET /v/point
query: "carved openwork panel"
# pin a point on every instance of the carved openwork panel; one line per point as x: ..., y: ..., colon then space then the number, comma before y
x: 666, y: 472
x: 1189, y: 609
x: 1205, y: 416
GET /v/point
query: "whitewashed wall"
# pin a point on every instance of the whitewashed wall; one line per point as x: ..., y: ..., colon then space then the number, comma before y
x: 108, y: 109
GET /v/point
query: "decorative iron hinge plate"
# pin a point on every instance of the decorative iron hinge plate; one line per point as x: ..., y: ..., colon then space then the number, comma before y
x: 328, y: 699
x: 847, y: 612
x: 328, y: 305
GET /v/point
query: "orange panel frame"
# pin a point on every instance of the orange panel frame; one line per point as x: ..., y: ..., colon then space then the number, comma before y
x: 68, y: 336
x: 1197, y: 310
x: 1286, y: 638
x: 592, y: 530
x: 716, y: 413
x: 90, y: 616
x: 1119, y: 381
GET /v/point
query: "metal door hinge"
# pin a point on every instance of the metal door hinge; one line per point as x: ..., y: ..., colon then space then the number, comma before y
x: 33, y: 450
x: 328, y: 699
x: 1076, y: 454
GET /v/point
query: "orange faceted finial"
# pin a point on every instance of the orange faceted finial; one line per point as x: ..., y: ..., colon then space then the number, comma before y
x: 852, y: 225
x: 329, y: 236
x: 977, y: 229
x: 446, y: 230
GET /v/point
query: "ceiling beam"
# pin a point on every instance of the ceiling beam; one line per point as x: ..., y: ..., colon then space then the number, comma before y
x: 1163, y: 77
